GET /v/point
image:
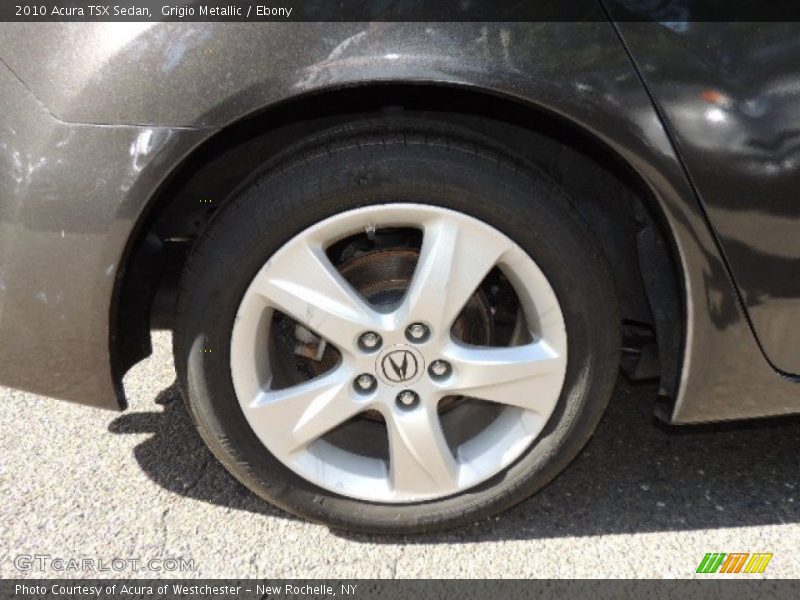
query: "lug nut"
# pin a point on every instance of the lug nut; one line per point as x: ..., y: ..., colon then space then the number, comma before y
x: 407, y: 399
x: 369, y: 341
x: 417, y: 332
x: 365, y: 383
x: 440, y: 369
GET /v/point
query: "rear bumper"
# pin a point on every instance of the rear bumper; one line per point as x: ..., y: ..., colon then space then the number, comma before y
x: 69, y: 197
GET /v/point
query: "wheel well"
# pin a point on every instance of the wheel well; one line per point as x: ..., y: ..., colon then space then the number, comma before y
x: 611, y: 197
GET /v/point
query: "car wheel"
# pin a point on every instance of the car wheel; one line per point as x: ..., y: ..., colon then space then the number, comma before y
x: 397, y: 326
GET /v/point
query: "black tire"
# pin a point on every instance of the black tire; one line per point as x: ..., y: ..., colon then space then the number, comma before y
x: 384, y: 161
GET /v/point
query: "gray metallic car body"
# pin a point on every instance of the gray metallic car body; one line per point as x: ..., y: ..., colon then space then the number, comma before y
x: 98, y: 116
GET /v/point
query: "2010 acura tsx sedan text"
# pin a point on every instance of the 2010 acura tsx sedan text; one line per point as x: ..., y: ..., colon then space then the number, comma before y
x: 403, y: 263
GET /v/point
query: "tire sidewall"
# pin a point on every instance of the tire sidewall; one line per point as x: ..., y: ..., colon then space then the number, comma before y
x: 277, y: 205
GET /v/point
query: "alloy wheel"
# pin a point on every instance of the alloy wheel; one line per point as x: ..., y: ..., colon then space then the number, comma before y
x: 399, y: 404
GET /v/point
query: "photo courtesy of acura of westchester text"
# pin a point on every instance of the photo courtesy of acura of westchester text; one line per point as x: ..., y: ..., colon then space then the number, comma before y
x: 432, y: 295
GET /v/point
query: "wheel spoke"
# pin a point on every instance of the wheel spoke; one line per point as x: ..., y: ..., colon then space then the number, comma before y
x: 296, y: 416
x: 453, y: 261
x: 528, y: 376
x: 305, y: 285
x: 419, y: 458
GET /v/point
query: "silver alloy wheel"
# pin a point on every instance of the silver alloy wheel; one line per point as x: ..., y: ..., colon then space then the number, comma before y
x: 456, y: 254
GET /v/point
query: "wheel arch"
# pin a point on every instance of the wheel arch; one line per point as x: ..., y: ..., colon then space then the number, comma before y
x: 638, y: 239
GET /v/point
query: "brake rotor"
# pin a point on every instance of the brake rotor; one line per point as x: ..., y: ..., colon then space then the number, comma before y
x: 383, y: 276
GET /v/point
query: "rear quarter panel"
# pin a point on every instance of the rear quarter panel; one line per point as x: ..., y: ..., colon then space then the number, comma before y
x: 103, y: 112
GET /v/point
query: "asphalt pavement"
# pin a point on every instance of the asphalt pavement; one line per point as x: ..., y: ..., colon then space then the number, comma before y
x: 642, y: 500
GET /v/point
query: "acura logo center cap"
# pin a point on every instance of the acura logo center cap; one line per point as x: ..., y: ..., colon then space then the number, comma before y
x: 400, y: 365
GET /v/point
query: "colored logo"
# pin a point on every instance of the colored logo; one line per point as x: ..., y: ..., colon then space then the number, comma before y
x: 734, y: 562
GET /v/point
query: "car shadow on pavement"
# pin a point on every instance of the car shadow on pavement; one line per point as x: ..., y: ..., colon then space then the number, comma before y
x: 177, y: 459
x: 635, y: 475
